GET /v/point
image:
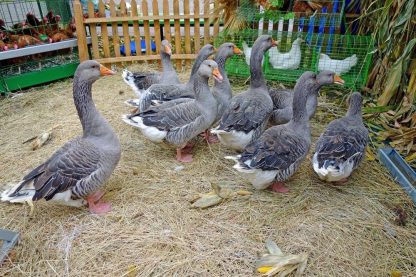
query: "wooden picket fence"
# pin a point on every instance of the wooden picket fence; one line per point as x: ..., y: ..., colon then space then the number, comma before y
x: 107, y: 37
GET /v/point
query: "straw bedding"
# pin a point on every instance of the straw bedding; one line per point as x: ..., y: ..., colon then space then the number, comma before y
x: 351, y: 230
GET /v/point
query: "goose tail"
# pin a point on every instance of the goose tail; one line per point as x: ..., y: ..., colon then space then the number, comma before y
x: 19, y: 193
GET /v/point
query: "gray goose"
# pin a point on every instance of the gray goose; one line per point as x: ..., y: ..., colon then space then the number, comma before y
x: 140, y: 81
x: 79, y: 168
x: 163, y: 92
x: 341, y: 147
x: 180, y: 123
x: 221, y: 90
x: 278, y: 152
x: 283, y: 98
x: 247, y: 115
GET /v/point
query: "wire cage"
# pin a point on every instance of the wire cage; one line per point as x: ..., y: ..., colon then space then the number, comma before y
x: 347, y: 55
x: 36, y: 42
x: 324, y: 16
x: 239, y: 65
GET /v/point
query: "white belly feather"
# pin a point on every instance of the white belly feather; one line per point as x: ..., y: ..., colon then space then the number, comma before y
x: 333, y: 173
x: 260, y: 179
x: 150, y: 132
x: 234, y: 139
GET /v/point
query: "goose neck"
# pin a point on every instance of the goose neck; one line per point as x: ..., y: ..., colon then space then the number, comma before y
x: 93, y: 124
x: 198, y: 61
x: 166, y: 63
x: 256, y: 73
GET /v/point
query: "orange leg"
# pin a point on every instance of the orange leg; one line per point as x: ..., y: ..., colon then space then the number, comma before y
x: 209, y: 137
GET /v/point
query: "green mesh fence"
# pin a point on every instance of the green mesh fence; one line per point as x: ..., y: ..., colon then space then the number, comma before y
x: 347, y: 55
x: 28, y: 23
x: 322, y: 14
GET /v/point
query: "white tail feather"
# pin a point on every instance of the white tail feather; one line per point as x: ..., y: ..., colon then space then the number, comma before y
x: 24, y: 195
x: 132, y: 102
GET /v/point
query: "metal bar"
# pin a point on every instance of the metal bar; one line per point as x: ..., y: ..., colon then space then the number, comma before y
x: 400, y: 170
x: 37, y: 49
x: 9, y: 240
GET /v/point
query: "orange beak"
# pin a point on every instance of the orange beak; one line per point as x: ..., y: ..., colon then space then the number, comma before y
x: 215, y: 49
x: 338, y: 80
x: 168, y: 50
x: 274, y: 42
x: 217, y: 75
x: 237, y: 51
x: 105, y: 71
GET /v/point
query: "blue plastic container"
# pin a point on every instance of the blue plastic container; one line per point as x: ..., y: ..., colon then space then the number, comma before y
x: 133, y: 47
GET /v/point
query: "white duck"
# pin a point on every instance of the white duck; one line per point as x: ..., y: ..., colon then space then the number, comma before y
x: 288, y: 60
x: 337, y: 66
x: 341, y: 147
x: 247, y: 53
x: 80, y: 167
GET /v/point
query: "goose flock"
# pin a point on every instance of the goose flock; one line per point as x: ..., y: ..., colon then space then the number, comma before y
x: 175, y: 113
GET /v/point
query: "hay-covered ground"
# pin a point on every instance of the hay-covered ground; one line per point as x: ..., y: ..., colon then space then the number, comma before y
x: 152, y: 231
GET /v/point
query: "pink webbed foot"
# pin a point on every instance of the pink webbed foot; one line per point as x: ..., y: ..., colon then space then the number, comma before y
x: 279, y: 187
x: 95, y: 205
x: 209, y: 137
x: 100, y: 208
x: 213, y: 139
x: 183, y: 157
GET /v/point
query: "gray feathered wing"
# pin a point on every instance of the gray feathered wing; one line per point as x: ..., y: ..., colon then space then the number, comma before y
x: 73, y: 162
x: 339, y: 143
x: 244, y: 115
x: 274, y: 150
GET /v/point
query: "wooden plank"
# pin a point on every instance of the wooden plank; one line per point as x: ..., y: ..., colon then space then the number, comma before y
x: 126, y: 34
x: 156, y: 25
x: 148, y: 17
x: 136, y: 28
x: 217, y: 21
x: 206, y: 22
x: 93, y: 31
x: 104, y: 31
x: 186, y: 11
x: 116, y: 38
x: 197, y: 36
x: 177, y: 34
x: 146, y: 27
x: 82, y: 36
x: 166, y: 22
x: 145, y: 58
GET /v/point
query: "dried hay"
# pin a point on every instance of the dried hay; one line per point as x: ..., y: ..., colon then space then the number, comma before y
x: 346, y: 231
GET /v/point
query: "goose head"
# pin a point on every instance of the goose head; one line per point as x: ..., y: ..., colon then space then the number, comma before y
x: 207, y: 50
x: 327, y: 77
x: 90, y: 71
x: 355, y: 102
x: 166, y: 47
x: 209, y: 68
x: 228, y: 49
x: 264, y: 43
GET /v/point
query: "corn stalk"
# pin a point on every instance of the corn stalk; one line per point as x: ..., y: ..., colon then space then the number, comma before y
x: 392, y: 80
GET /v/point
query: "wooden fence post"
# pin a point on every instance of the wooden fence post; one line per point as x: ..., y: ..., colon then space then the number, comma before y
x: 81, y: 35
